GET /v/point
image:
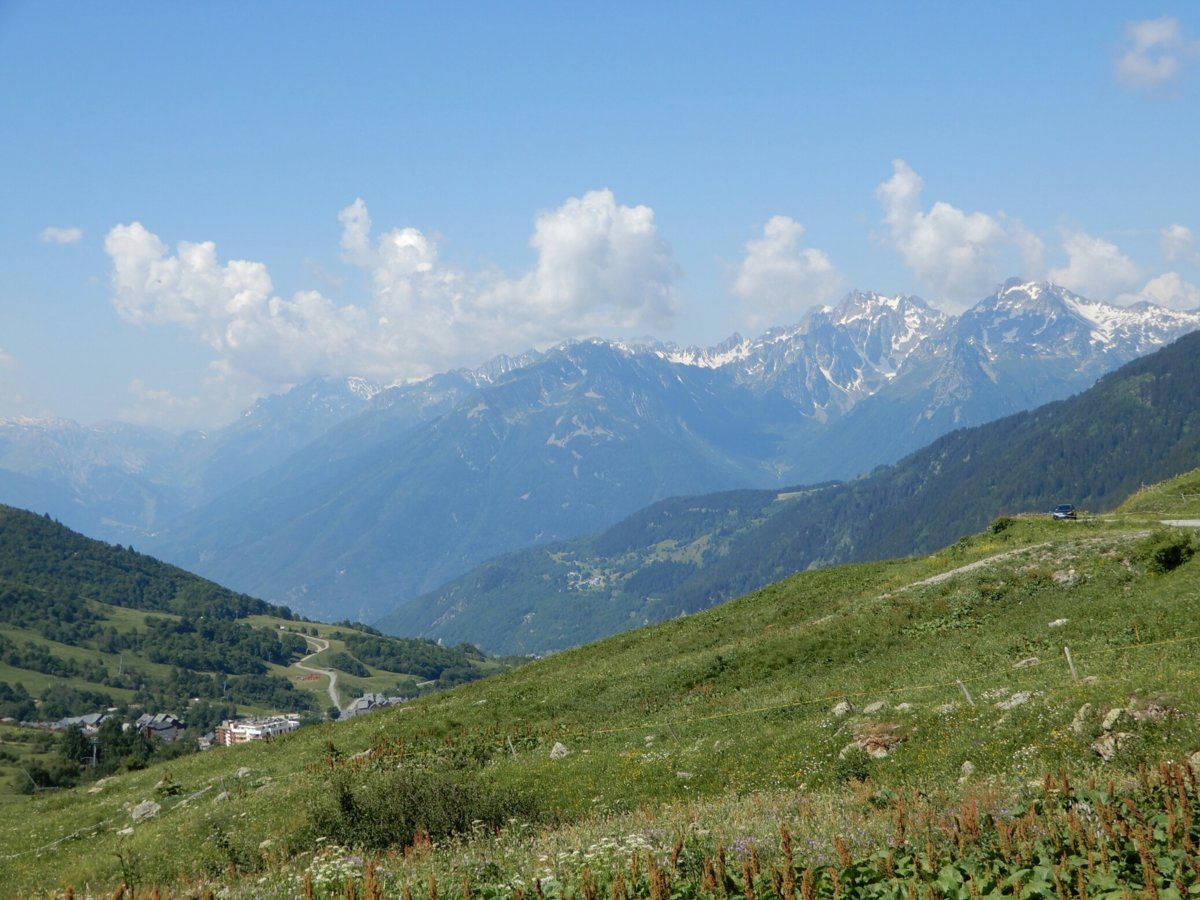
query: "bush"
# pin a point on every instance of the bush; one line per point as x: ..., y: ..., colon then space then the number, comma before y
x: 389, y: 809
x: 1165, y: 551
x: 853, y: 765
x: 1001, y: 525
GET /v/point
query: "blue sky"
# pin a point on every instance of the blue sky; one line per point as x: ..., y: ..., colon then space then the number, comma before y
x: 562, y: 170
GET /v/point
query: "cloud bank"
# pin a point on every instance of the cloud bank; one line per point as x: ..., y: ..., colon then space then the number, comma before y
x: 600, y: 266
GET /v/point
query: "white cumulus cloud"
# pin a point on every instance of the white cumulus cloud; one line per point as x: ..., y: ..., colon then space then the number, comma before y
x: 779, y: 278
x: 1178, y: 243
x: 957, y: 255
x: 1168, y: 289
x: 1096, y: 268
x: 600, y: 267
x: 6, y: 360
x: 1156, y: 51
x: 52, y: 234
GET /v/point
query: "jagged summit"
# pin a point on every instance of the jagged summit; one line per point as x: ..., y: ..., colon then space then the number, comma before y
x: 407, y: 486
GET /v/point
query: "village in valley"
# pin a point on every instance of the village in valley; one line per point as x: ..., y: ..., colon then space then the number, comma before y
x: 170, y: 729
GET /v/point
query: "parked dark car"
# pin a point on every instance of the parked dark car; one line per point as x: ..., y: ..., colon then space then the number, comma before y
x: 1064, y: 511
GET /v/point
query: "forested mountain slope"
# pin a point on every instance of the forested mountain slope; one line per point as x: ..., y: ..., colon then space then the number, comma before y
x: 86, y: 625
x: 1138, y: 424
x: 576, y: 438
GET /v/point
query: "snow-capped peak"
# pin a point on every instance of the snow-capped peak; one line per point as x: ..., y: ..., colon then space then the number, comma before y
x: 1033, y: 312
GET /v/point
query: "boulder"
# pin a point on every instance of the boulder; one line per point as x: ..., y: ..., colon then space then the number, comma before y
x: 1109, y: 744
x: 1059, y: 623
x: 147, y: 809
x: 1112, y: 718
x: 99, y: 786
x: 878, y: 706
x: 243, y: 772
x: 843, y: 708
x: 1027, y: 663
x: 877, y: 740
x: 1079, y: 723
x: 1020, y: 698
x: 221, y: 797
x: 903, y: 707
x: 1150, y: 711
x: 966, y: 771
x: 558, y: 751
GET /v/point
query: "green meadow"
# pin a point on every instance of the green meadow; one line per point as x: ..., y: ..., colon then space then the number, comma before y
x: 797, y: 739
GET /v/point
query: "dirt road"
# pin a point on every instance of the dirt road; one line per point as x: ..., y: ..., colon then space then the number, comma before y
x: 322, y: 645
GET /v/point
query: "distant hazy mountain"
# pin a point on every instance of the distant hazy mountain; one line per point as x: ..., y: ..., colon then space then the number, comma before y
x: 564, y: 442
x: 1140, y: 424
x: 341, y: 498
x: 107, y: 480
x: 121, y: 482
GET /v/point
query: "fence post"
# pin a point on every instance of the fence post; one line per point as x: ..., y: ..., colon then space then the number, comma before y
x: 1071, y: 664
x: 966, y: 693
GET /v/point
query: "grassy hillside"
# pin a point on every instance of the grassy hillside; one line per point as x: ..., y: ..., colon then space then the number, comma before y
x: 671, y: 751
x: 1178, y: 497
x: 86, y: 626
x: 1137, y: 425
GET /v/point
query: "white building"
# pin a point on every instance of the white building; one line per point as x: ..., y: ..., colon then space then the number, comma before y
x: 240, y: 731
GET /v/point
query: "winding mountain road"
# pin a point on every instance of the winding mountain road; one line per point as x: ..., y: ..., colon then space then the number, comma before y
x: 322, y: 645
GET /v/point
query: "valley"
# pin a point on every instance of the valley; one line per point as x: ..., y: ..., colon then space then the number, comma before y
x: 343, y: 499
x: 817, y: 702
x: 599, y: 451
x: 1137, y: 425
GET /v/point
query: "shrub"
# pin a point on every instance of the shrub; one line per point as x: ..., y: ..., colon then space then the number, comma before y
x: 389, y: 809
x: 1001, y: 525
x: 852, y: 765
x: 1167, y: 550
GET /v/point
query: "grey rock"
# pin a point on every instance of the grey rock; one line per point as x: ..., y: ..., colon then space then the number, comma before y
x: 843, y: 708
x: 1059, y: 623
x: 558, y: 751
x: 1027, y: 663
x: 1109, y: 744
x: 243, y: 772
x: 1112, y: 718
x: 1020, y: 698
x: 878, y: 706
x: 966, y: 771
x: 1079, y: 723
x: 147, y: 809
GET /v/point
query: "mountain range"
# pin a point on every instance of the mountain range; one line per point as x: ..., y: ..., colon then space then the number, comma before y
x: 343, y: 498
x: 1136, y: 425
